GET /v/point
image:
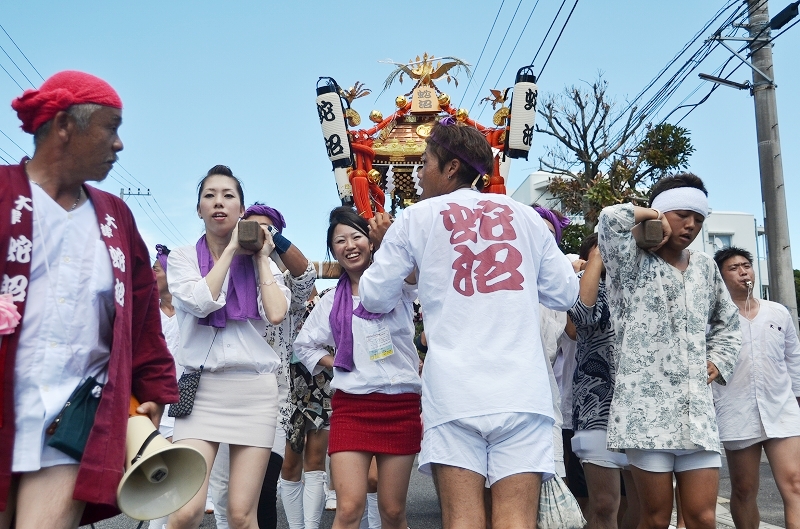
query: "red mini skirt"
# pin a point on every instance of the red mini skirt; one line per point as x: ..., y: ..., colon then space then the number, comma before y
x: 376, y: 422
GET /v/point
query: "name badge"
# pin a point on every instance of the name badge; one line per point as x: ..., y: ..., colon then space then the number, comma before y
x: 379, y: 340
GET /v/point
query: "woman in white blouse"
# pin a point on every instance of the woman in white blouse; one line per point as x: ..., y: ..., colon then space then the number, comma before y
x: 376, y: 404
x: 223, y: 297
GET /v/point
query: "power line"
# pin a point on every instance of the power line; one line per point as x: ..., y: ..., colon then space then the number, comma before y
x: 675, y: 59
x: 478, y: 94
x: 178, y: 235
x: 12, y: 77
x: 129, y: 174
x: 705, y: 98
x: 15, y: 64
x: 15, y: 143
x: 469, y: 82
x: 7, y: 154
x: 168, y: 219
x: 122, y: 180
x: 510, y: 55
x: 166, y: 234
x: 558, y: 38
x: 142, y: 184
x: 657, y: 101
x: 23, y: 54
x: 127, y: 182
x: 553, y: 23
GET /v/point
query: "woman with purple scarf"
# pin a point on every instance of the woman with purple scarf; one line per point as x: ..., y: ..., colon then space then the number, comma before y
x: 224, y: 296
x: 376, y: 405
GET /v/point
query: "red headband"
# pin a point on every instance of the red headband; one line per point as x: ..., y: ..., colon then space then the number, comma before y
x: 59, y: 92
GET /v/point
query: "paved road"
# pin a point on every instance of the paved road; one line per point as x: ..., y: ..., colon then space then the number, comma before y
x: 423, y: 509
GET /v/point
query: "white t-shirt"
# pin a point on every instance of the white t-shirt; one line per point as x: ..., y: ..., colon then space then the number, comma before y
x: 172, y: 335
x: 68, y: 325
x: 765, y: 381
x: 484, y: 263
x: 564, y: 369
x: 394, y: 374
x: 240, y: 345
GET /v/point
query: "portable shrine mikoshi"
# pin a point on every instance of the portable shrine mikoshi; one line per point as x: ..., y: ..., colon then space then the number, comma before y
x: 371, y: 164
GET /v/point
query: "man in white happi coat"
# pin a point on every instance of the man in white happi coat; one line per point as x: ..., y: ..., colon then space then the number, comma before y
x: 484, y: 263
x: 759, y: 406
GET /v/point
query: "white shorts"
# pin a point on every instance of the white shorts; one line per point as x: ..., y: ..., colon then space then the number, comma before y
x: 495, y: 446
x: 672, y: 460
x: 741, y: 444
x: 590, y: 447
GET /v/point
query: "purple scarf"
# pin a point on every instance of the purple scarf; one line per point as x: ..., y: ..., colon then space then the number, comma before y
x: 558, y: 224
x: 241, y: 301
x: 274, y: 215
x: 341, y: 320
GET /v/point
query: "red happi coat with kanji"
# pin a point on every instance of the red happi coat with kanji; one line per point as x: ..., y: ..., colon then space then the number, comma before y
x: 139, y: 364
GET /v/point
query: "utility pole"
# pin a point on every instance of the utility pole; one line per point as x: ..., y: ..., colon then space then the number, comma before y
x: 130, y: 193
x: 776, y: 222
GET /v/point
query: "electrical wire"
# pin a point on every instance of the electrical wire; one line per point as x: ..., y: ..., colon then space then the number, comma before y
x: 15, y: 64
x: 675, y: 59
x: 15, y: 143
x: 168, y: 219
x: 177, y: 235
x: 510, y: 55
x: 129, y: 174
x: 558, y: 38
x: 705, y: 98
x: 165, y: 233
x: 121, y: 179
x: 12, y: 77
x: 23, y: 54
x: 7, y: 154
x: 478, y: 94
x: 662, y: 96
x: 553, y: 23
x: 469, y: 82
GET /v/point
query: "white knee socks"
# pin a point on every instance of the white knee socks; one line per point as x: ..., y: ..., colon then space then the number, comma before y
x: 160, y: 523
x: 292, y: 499
x: 374, y: 514
x: 313, y: 498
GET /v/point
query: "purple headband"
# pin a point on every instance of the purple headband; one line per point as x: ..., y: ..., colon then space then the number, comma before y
x: 449, y: 121
x: 161, y: 256
x: 558, y: 223
x: 266, y: 211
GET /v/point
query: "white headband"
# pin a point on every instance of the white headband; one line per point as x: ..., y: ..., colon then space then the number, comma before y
x: 689, y: 198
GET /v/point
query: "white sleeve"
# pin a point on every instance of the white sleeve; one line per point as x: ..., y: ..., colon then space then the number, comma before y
x: 382, y: 285
x: 557, y: 282
x: 188, y: 286
x: 792, y: 353
x: 315, y: 335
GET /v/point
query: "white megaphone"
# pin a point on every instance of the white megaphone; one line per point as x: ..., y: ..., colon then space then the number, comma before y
x: 160, y: 477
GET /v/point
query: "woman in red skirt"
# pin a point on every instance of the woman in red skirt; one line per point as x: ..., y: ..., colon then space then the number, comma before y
x: 376, y: 403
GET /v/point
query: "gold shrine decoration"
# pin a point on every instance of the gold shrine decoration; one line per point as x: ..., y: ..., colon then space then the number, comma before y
x: 424, y: 70
x: 424, y: 99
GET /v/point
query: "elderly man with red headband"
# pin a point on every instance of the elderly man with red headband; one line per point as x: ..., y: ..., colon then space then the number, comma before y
x: 85, y: 328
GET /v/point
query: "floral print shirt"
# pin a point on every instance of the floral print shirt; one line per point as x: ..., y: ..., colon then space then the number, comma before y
x: 281, y: 337
x: 668, y: 323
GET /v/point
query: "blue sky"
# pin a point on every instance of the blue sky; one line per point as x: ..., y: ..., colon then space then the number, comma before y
x: 205, y: 83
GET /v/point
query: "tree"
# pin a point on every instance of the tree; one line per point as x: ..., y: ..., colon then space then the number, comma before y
x: 797, y: 285
x: 597, y: 163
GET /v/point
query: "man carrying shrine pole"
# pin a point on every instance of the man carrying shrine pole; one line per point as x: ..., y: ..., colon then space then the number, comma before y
x: 79, y: 313
x: 484, y: 263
